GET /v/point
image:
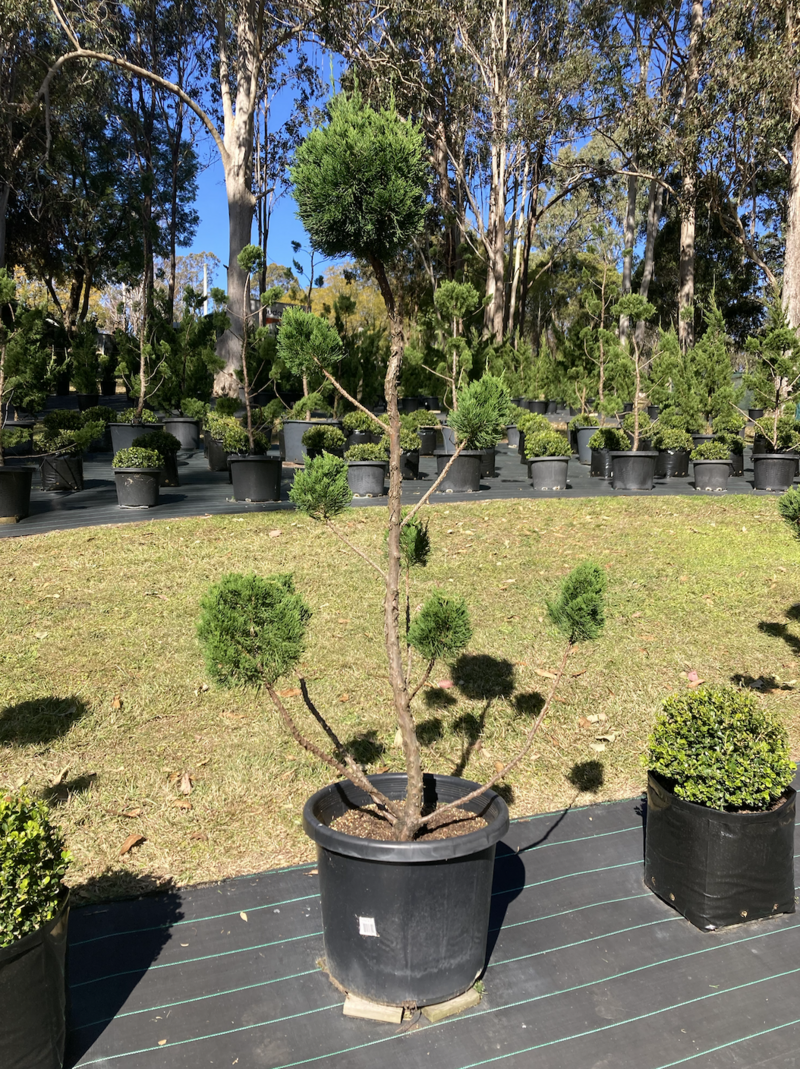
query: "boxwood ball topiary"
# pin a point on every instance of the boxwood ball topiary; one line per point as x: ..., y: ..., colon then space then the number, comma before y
x: 721, y: 749
x: 33, y: 862
x: 361, y: 180
x: 252, y: 629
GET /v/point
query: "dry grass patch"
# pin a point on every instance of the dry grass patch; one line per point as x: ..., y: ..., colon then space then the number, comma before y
x: 102, y: 706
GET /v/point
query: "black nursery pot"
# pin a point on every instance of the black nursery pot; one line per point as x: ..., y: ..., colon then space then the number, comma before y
x: 712, y: 475
x: 755, y: 413
x: 427, y: 440
x: 33, y: 997
x: 185, y: 429
x: 464, y: 475
x: 718, y: 868
x: 405, y: 922
x: 15, y: 493
x: 548, y: 473
x: 62, y: 473
x: 633, y: 471
x: 137, y: 488
x: 673, y: 463
x: 487, y: 465
x: 366, y: 478
x: 539, y: 408
x: 123, y: 434
x: 217, y: 457
x: 87, y: 400
x: 256, y: 478
x: 774, y: 471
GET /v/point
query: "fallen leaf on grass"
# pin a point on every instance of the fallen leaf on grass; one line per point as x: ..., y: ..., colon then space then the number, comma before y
x: 290, y: 692
x: 445, y: 684
x: 182, y: 803
x: 582, y: 672
x: 41, y: 634
x: 133, y: 840
x: 694, y: 679
x: 545, y: 674
x: 343, y: 621
x: 185, y: 785
x: 584, y: 722
x: 131, y: 813
x: 345, y: 698
x: 607, y: 738
x: 116, y: 702
x: 199, y: 836
x: 598, y: 747
x: 275, y: 533
x: 636, y: 615
x: 499, y: 766
x: 59, y: 779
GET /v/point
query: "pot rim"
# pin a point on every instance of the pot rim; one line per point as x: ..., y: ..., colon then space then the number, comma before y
x: 634, y: 452
x: 718, y: 814
x: 139, y: 470
x: 407, y: 852
x: 533, y: 460
x: 254, y: 458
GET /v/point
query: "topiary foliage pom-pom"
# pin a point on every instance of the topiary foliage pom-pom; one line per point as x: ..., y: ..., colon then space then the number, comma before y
x: 579, y: 612
x: 441, y: 628
x: 252, y: 628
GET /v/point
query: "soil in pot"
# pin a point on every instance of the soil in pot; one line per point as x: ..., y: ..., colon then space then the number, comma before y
x: 256, y: 478
x: 601, y: 465
x: 464, y: 475
x: 405, y: 922
x: 15, y: 493
x: 718, y: 868
x: 712, y: 475
x: 548, y: 473
x: 137, y: 488
x: 634, y: 471
x: 62, y: 473
x: 773, y: 471
x: 33, y: 995
x: 366, y: 478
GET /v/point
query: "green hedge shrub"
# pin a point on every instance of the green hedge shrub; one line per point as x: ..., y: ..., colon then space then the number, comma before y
x: 711, y: 451
x: 137, y: 457
x: 721, y: 749
x: 609, y: 438
x: 546, y: 444
x: 367, y: 451
x: 323, y: 438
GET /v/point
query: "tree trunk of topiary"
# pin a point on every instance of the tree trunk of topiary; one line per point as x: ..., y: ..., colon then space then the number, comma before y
x: 405, y: 828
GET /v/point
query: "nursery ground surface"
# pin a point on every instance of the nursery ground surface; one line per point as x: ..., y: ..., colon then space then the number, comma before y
x: 584, y: 967
x: 107, y: 711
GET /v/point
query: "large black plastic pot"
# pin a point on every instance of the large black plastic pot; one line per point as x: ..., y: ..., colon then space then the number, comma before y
x: 366, y: 478
x: 108, y: 387
x: 512, y: 434
x: 294, y: 452
x: 169, y: 470
x: 464, y: 475
x: 653, y: 411
x: 539, y: 408
x: 62, y: 473
x: 521, y: 448
x: 123, y: 434
x: 551, y: 407
x: 409, y: 464
x: 602, y: 464
x: 185, y: 429
x: 718, y: 868
x: 15, y: 493
x: 711, y: 474
x: 737, y: 463
x: 256, y: 478
x: 633, y: 471
x: 774, y: 471
x: 427, y: 903
x: 361, y: 438
x: 427, y: 440
x: 137, y: 488
x: 488, y: 463
x: 700, y: 439
x: 672, y: 463
x: 432, y: 403
x: 33, y: 995
x: 548, y: 473
x: 582, y: 436
x: 755, y: 413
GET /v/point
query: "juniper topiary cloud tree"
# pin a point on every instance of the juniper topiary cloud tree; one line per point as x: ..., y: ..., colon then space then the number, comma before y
x: 360, y: 183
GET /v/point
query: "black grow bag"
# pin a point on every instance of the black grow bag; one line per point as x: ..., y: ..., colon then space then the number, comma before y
x: 15, y: 493
x: 427, y: 903
x: 62, y: 473
x: 33, y: 997
x: 217, y: 456
x: 719, y: 868
x: 601, y: 466
x: 672, y: 463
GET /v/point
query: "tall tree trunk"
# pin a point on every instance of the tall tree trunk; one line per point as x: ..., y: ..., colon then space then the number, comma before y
x: 689, y: 184
x: 654, y: 202
x: 516, y: 252
x: 629, y: 237
x: 791, y: 262
x: 5, y: 193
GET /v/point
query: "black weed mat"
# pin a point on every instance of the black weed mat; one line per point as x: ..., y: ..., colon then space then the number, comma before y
x: 585, y: 968
x: 203, y: 492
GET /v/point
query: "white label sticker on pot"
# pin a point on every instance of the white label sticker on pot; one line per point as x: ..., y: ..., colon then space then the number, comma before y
x: 366, y: 926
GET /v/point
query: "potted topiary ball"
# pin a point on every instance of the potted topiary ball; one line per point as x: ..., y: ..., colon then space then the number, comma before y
x: 34, y: 909
x: 167, y: 446
x: 62, y: 452
x: 406, y: 883
x: 359, y: 429
x: 366, y: 468
x: 323, y: 438
x: 137, y: 474
x: 712, y: 466
x: 530, y: 423
x: 735, y: 446
x: 477, y: 423
x: 720, y: 809
x: 130, y: 425
x: 603, y: 443
x: 547, y: 462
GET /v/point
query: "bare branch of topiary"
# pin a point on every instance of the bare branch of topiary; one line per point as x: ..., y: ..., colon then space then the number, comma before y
x: 356, y: 404
x: 425, y: 677
x: 355, y: 549
x: 439, y: 480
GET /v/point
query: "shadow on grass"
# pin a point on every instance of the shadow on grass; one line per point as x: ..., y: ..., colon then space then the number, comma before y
x: 793, y: 612
x: 587, y: 776
x: 429, y: 731
x: 365, y: 748
x: 439, y: 698
x: 40, y: 720
x: 479, y: 676
x: 60, y: 793
x: 762, y: 684
x: 111, y: 947
x: 776, y: 630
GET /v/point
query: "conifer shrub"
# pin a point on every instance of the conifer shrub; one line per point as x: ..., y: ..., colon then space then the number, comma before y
x: 226, y: 406
x: 585, y: 420
x: 62, y: 419
x: 321, y: 490
x: 789, y: 509
x: 129, y: 416
x: 733, y: 442
x: 97, y: 414
x: 645, y: 424
x: 358, y: 421
x: 484, y: 408
x: 728, y: 422
x: 671, y: 438
x: 441, y: 628
x: 162, y: 442
x: 33, y: 863
x: 718, y: 747
x: 579, y: 610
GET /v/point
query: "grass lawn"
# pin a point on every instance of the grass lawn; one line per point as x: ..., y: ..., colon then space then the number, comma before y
x: 105, y: 704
